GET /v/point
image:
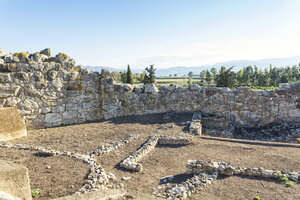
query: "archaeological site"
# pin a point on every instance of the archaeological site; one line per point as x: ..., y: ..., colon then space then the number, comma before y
x: 67, y: 133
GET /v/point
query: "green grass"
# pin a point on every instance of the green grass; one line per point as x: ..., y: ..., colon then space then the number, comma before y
x: 285, y: 180
x: 35, y: 192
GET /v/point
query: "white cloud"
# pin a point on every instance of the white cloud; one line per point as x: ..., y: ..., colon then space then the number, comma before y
x: 201, y: 53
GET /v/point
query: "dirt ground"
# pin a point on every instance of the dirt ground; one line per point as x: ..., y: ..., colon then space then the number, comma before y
x: 66, y: 175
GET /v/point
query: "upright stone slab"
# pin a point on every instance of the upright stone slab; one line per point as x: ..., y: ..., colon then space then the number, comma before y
x: 14, y: 180
x: 196, y: 126
x: 11, y: 124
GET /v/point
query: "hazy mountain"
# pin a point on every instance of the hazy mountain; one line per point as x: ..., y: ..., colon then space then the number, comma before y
x: 182, y: 70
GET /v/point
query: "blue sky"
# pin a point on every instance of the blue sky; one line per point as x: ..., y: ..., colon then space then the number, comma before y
x: 166, y: 33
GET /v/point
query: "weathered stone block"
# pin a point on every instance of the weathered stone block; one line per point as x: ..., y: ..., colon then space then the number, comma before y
x: 14, y: 180
x: 70, y: 115
x: 11, y: 124
x: 5, y: 78
x: 150, y: 88
x: 53, y: 118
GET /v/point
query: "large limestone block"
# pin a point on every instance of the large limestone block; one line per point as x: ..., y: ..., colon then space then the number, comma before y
x: 150, y: 88
x: 11, y: 124
x: 6, y: 196
x: 14, y: 180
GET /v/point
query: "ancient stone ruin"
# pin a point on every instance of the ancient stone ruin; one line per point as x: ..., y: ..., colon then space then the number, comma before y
x: 53, y: 90
x: 204, y: 173
x: 49, y: 91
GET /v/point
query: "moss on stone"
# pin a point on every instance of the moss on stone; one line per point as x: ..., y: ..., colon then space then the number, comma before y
x: 21, y: 54
x: 125, y: 104
x: 76, y: 87
x: 75, y: 69
x: 65, y: 56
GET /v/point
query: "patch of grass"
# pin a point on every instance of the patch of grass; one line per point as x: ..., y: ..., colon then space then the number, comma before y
x: 35, y: 192
x: 289, y: 183
x: 285, y: 180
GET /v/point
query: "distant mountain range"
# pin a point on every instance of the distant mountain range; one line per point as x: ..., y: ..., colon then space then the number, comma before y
x: 238, y: 64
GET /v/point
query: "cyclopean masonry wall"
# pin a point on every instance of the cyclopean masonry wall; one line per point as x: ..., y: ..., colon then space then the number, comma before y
x: 52, y: 91
x: 48, y: 91
x: 241, y: 106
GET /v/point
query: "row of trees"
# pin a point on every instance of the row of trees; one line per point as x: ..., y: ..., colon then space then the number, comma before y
x: 148, y: 76
x: 251, y: 76
x: 247, y: 76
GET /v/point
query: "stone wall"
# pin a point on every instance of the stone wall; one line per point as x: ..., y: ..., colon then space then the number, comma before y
x: 241, y: 106
x: 48, y: 91
x: 52, y: 91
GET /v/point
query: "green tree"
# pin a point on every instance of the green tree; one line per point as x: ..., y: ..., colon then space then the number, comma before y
x: 274, y: 76
x: 137, y: 77
x: 190, y: 82
x: 222, y: 70
x: 261, y: 78
x: 203, y: 75
x: 247, y: 75
x: 239, y: 77
x: 129, y: 76
x: 150, y: 72
x: 123, y: 76
x: 226, y: 78
x: 214, y: 73
x: 190, y: 74
x: 116, y: 76
x: 208, y: 77
x: 254, y: 76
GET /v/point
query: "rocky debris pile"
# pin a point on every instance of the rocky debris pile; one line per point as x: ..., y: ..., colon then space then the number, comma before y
x: 195, y: 125
x: 280, y: 131
x: 186, y: 188
x: 166, y: 127
x: 97, y: 178
x: 198, y: 166
x: 112, y: 146
x: 131, y: 162
x: 174, y: 140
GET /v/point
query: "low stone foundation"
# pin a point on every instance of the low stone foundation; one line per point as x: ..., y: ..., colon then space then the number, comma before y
x: 131, y: 162
x: 197, y: 166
